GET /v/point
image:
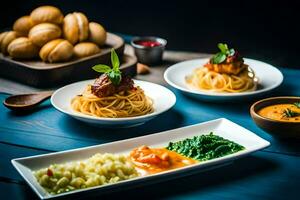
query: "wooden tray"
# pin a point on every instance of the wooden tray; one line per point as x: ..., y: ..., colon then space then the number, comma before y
x: 40, y: 74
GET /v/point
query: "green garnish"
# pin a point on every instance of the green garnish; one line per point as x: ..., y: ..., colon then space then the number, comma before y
x: 222, y: 55
x: 113, y: 73
x: 297, y: 104
x: 289, y: 113
x: 205, y: 147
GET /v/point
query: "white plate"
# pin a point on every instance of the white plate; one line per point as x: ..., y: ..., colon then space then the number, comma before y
x: 163, y: 99
x: 269, y: 78
x: 221, y: 127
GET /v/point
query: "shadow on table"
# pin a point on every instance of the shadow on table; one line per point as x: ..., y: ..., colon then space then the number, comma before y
x: 286, y: 88
x: 230, y: 107
x: 250, y: 169
x: 169, y: 120
x: 285, y: 146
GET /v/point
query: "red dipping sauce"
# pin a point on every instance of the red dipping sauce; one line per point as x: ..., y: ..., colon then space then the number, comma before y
x: 148, y: 43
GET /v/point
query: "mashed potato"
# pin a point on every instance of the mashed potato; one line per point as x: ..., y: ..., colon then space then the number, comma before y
x: 100, y: 169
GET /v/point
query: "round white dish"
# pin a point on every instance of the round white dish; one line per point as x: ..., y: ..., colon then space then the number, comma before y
x: 268, y: 76
x: 163, y: 100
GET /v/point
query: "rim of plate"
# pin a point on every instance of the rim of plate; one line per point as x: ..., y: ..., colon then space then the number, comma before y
x: 75, y: 114
x: 167, y: 72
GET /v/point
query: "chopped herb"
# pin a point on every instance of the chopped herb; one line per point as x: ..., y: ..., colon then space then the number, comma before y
x: 223, y: 48
x: 222, y: 55
x: 113, y: 73
x: 289, y: 113
x: 218, y: 58
x: 205, y: 147
x: 231, y: 52
x: 297, y: 104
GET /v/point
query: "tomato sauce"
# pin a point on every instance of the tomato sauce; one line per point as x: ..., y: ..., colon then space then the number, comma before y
x: 153, y: 160
x: 148, y: 43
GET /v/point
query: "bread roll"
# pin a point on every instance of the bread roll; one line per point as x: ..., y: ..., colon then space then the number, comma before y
x: 43, y: 33
x: 76, y: 27
x: 58, y: 50
x: 48, y: 14
x: 84, y: 49
x: 22, y: 48
x: 97, y: 34
x: 6, y: 38
x: 23, y: 25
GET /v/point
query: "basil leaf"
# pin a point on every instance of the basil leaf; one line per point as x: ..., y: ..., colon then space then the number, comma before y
x: 223, y: 47
x: 289, y: 113
x: 115, y: 60
x: 114, y: 73
x: 118, y: 78
x: 101, y: 68
x: 115, y: 77
x: 218, y: 58
x: 297, y: 104
x: 231, y: 52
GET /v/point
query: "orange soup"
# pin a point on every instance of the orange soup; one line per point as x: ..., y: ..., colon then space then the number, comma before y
x: 153, y: 160
x: 281, y: 112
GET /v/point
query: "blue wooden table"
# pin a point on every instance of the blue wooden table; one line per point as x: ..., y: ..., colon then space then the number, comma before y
x: 273, y: 173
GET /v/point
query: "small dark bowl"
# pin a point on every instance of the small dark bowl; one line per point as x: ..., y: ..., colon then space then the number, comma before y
x: 274, y: 127
x: 146, y: 54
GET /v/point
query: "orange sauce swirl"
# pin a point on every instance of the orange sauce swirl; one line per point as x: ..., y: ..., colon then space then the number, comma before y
x: 154, y: 160
x: 276, y: 112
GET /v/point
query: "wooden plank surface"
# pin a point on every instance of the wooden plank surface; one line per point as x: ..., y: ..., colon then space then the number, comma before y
x: 264, y: 175
x: 45, y: 126
x: 9, y: 152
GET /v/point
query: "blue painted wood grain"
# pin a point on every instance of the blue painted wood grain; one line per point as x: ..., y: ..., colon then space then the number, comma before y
x: 48, y: 129
x: 9, y: 152
x: 260, y: 176
x: 264, y: 175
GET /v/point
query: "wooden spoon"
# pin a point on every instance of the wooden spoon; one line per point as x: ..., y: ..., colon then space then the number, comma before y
x: 26, y: 101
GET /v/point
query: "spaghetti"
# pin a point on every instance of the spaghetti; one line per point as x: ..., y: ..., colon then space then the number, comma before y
x: 205, y: 79
x: 129, y: 103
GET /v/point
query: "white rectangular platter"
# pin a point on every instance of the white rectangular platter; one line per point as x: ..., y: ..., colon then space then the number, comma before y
x: 221, y: 127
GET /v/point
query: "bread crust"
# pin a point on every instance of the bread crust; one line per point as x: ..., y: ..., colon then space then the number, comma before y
x: 57, y: 50
x: 22, y: 48
x: 43, y: 33
x: 23, y: 25
x: 97, y: 33
x: 7, y: 38
x: 76, y: 27
x: 48, y: 14
x: 85, y: 49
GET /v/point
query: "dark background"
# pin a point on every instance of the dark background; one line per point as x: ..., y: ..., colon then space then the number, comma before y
x: 264, y: 30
